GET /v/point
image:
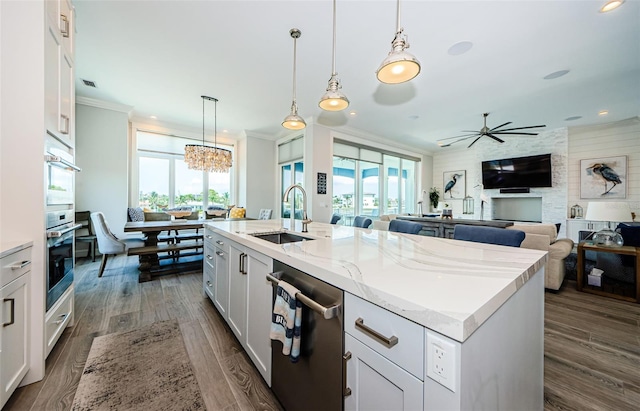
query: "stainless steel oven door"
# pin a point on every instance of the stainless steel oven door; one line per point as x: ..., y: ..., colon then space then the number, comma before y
x: 59, y: 261
x: 59, y: 181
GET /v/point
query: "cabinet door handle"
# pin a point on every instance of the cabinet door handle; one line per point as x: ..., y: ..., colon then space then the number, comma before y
x: 209, y: 284
x: 20, y: 265
x: 65, y: 124
x: 346, y: 391
x: 61, y: 317
x: 382, y: 339
x: 12, y: 310
x: 209, y: 257
x: 220, y: 253
x: 64, y: 25
x: 219, y: 242
x: 242, y: 263
x: 208, y: 236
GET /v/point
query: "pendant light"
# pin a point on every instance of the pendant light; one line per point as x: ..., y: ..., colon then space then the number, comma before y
x: 399, y: 66
x: 293, y: 121
x: 334, y: 99
x: 206, y: 158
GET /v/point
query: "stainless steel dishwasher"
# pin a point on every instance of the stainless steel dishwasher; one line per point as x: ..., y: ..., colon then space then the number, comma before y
x: 315, y: 382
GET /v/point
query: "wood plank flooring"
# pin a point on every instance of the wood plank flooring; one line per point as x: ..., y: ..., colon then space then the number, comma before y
x: 117, y: 302
x: 592, y: 343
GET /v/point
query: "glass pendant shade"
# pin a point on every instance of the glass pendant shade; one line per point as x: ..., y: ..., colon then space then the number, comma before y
x: 293, y: 121
x: 206, y: 158
x: 467, y: 205
x: 399, y: 66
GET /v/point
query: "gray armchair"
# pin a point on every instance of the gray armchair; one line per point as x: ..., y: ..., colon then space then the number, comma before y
x: 108, y: 243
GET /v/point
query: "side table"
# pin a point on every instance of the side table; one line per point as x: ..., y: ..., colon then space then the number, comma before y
x: 624, y: 250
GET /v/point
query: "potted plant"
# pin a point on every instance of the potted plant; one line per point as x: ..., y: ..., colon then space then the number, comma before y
x: 434, y: 197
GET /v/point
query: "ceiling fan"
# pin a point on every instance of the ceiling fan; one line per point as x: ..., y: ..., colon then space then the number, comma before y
x: 488, y: 132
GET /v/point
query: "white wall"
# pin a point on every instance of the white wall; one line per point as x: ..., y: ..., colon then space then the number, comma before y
x: 22, y: 73
x: 260, y: 171
x: 554, y: 199
x: 101, y: 152
x: 607, y: 140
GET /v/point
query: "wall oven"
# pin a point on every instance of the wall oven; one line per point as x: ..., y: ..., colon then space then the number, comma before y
x: 60, y: 226
x: 59, y: 253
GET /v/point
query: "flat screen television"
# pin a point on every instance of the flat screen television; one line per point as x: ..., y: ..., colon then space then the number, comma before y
x: 518, y: 172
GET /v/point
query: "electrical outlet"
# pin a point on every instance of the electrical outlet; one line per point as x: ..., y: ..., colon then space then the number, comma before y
x: 441, y: 360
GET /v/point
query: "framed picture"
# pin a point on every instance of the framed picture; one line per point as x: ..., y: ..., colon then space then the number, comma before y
x: 603, y: 177
x: 454, y: 184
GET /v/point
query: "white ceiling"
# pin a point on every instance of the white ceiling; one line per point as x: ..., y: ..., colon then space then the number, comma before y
x: 161, y: 56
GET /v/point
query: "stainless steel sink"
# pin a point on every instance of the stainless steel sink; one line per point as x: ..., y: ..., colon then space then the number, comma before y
x: 281, y: 237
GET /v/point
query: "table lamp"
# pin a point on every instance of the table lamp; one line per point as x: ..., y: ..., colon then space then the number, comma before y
x: 608, y: 211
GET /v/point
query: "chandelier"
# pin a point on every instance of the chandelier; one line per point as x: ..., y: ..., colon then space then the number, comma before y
x: 206, y: 158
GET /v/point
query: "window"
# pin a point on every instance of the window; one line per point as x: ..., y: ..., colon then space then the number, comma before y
x: 363, y: 177
x: 290, y: 158
x: 165, y: 181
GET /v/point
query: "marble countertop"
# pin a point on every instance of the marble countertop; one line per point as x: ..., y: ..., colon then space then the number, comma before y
x: 10, y: 247
x: 448, y: 286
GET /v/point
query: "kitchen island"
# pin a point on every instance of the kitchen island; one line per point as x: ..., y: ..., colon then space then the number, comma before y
x: 481, y: 305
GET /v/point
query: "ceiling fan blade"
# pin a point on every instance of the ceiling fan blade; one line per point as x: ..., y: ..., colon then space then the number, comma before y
x: 516, y: 134
x: 474, y: 141
x: 469, y: 131
x: 499, y: 140
x: 457, y: 141
x: 522, y: 128
x: 501, y: 125
x: 464, y: 135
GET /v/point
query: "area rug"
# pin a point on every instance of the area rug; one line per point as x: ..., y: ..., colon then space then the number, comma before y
x: 144, y: 369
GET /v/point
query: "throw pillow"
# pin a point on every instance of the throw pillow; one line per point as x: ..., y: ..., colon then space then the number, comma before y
x: 237, y: 212
x: 135, y: 214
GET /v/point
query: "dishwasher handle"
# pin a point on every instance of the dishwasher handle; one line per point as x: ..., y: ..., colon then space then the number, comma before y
x: 326, y: 312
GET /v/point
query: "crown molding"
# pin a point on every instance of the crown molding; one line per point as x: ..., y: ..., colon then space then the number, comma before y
x: 92, y: 102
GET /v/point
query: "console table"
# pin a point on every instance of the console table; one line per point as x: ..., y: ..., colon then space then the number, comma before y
x: 443, y: 228
x: 624, y: 250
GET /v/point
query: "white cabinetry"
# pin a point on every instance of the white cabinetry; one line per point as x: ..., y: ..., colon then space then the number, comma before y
x: 237, y: 291
x: 235, y: 280
x: 384, y: 355
x: 59, y: 77
x: 58, y: 318
x: 14, y: 315
x: 574, y: 226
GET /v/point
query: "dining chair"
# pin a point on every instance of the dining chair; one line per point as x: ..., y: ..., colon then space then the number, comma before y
x: 335, y: 218
x: 361, y: 222
x: 407, y: 227
x: 265, y: 214
x: 108, y: 243
x: 85, y: 234
x: 488, y: 235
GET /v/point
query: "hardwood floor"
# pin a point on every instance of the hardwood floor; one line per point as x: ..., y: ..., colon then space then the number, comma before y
x: 592, y: 343
x: 117, y: 302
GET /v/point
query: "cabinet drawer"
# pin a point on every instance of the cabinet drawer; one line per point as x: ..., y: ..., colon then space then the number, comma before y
x: 208, y: 280
x: 217, y: 240
x: 363, y: 319
x: 14, y: 265
x: 58, y: 318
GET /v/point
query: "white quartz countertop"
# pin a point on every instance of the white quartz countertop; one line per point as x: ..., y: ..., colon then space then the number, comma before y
x: 448, y: 286
x: 10, y: 247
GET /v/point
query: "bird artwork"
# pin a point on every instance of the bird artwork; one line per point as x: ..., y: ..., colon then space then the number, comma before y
x: 449, y: 186
x: 606, y: 174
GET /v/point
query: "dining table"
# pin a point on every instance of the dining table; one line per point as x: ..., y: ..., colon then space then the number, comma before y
x: 150, y: 261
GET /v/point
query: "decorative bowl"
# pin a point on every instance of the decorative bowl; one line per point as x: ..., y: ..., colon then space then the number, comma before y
x: 179, y: 213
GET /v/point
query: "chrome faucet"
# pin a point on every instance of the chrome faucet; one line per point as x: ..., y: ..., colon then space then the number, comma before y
x: 305, y: 220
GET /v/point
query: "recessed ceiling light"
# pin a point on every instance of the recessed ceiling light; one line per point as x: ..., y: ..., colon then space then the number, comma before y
x: 225, y: 131
x: 611, y: 5
x: 556, y: 74
x: 153, y: 117
x: 352, y: 113
x: 572, y: 118
x: 603, y: 112
x: 460, y: 48
x: 89, y: 83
